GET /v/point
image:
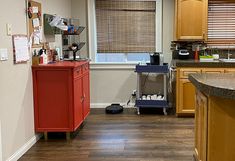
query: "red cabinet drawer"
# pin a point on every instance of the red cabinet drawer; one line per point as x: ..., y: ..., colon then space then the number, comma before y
x: 85, y: 68
x: 77, y: 72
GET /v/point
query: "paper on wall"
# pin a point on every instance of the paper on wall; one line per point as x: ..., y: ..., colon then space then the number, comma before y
x: 37, y: 36
x: 21, y: 48
x: 36, y: 22
x: 35, y: 9
x: 58, y: 22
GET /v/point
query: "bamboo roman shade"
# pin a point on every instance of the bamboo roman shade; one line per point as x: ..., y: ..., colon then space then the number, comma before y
x: 221, y: 22
x: 125, y: 26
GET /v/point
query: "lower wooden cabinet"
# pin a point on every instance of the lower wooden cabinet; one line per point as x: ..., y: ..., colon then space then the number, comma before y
x: 229, y: 70
x: 185, y: 91
x: 185, y: 97
x: 214, y: 128
x: 201, y: 113
x: 61, y: 96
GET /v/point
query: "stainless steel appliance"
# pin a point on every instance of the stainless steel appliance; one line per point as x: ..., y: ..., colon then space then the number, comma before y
x: 183, y: 54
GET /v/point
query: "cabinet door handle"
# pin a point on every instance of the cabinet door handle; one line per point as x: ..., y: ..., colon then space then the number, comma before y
x: 82, y: 98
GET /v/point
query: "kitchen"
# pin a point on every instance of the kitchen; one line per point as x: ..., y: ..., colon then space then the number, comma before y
x: 17, y: 129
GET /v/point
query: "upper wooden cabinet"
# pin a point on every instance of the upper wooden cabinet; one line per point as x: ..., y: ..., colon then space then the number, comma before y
x: 191, y: 19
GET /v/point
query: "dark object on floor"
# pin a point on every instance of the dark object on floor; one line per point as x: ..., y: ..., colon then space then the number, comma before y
x: 114, y: 109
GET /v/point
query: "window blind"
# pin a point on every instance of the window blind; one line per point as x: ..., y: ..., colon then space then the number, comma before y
x: 125, y: 26
x: 221, y: 22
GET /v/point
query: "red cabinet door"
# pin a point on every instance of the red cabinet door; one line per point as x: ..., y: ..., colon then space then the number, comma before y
x: 86, y: 95
x: 78, y: 103
x: 52, y: 93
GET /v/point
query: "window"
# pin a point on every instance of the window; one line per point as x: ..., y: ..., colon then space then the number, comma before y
x: 221, y: 22
x: 127, y: 31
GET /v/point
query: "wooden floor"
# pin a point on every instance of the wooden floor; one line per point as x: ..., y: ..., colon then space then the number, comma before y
x: 122, y: 137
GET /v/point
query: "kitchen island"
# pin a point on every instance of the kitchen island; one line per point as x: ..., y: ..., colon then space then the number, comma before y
x: 214, y: 116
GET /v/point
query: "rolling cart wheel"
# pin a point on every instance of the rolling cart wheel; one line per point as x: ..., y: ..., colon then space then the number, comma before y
x: 164, y: 111
x: 138, y: 111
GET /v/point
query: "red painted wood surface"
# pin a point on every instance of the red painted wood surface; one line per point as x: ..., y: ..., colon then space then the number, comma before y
x: 86, y: 92
x: 78, y: 102
x: 59, y: 90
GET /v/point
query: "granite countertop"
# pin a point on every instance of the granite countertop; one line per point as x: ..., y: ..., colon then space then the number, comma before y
x: 199, y: 63
x: 220, y: 85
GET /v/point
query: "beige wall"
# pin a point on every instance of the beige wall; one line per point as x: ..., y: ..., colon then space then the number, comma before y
x: 108, y: 85
x: 16, y: 97
x: 79, y: 11
x: 111, y: 86
x: 0, y: 141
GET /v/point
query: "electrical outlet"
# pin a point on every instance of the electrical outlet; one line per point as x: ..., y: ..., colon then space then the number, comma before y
x: 134, y: 92
x: 9, y: 29
x: 3, y: 54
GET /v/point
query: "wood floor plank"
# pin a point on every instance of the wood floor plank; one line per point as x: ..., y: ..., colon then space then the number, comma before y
x: 122, y: 137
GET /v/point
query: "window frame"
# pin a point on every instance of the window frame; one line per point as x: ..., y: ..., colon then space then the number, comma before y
x: 93, y: 37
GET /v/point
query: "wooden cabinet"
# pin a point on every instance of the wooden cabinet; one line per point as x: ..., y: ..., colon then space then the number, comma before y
x: 191, y: 19
x: 212, y: 70
x: 229, y: 70
x: 185, y: 91
x: 201, y: 112
x: 214, y: 128
x: 186, y: 97
x: 61, y: 96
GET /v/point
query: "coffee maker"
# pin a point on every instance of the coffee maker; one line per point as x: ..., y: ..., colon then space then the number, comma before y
x: 155, y: 58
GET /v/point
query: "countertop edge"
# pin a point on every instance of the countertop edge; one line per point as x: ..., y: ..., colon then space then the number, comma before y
x: 197, y: 63
x: 212, y: 90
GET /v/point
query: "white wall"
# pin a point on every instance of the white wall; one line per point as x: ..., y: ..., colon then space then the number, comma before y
x: 168, y: 28
x: 16, y: 97
x: 109, y: 85
x: 0, y: 141
x: 79, y: 11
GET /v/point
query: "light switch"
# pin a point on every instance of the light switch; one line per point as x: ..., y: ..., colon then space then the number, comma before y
x: 3, y: 54
x: 9, y: 29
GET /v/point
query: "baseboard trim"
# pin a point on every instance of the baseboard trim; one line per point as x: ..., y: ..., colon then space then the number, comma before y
x: 103, y: 105
x: 20, y: 152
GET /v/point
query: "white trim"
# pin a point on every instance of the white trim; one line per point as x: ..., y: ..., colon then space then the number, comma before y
x: 159, y: 23
x: 20, y: 152
x: 103, y: 105
x: 92, y: 29
x: 109, y: 66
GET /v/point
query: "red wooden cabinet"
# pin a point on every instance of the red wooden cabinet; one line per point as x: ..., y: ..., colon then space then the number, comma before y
x: 61, y: 96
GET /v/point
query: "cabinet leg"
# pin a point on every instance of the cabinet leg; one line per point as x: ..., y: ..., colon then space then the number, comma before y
x: 164, y: 111
x: 45, y: 136
x: 67, y: 135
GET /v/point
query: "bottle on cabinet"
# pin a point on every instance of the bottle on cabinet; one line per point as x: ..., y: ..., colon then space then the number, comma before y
x: 43, y: 57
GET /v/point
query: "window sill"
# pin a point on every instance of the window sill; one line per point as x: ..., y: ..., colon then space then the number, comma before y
x: 110, y: 66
